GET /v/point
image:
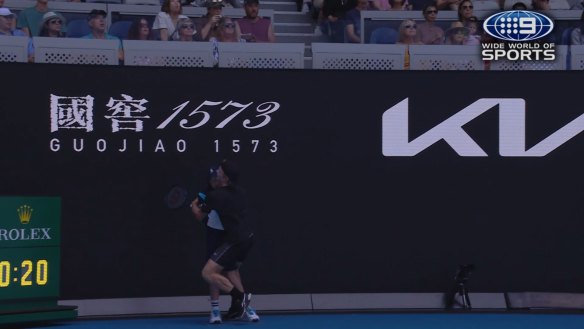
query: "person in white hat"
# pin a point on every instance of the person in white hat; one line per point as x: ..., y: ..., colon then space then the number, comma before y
x: 7, y: 24
x: 51, y: 25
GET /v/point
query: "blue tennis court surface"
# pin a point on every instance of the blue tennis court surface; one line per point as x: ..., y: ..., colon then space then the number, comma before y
x: 348, y: 321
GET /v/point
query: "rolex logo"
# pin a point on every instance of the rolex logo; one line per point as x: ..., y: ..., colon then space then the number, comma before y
x: 24, y: 213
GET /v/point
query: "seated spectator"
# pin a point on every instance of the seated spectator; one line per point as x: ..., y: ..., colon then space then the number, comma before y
x: 227, y: 31
x: 97, y: 26
x: 474, y: 36
x: 15, y: 17
x: 428, y: 32
x: 353, y: 22
x: 6, y: 29
x: 140, y: 30
x: 333, y: 14
x: 447, y: 4
x: 253, y: 27
x: 185, y: 29
x: 400, y: 5
x: 167, y: 19
x: 577, y: 35
x: 51, y: 25
x: 465, y: 10
x: 382, y: 5
x: 408, y: 31
x: 6, y: 23
x: 519, y: 6
x: 30, y: 18
x: 407, y: 36
x: 457, y: 34
x: 207, y: 25
x: 540, y: 5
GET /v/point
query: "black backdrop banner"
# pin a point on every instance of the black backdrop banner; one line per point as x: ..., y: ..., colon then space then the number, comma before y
x: 343, y: 198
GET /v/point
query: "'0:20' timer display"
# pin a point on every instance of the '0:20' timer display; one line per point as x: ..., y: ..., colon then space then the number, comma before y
x: 29, y: 248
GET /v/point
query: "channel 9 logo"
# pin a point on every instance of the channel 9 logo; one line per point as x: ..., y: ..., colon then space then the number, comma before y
x: 518, y: 28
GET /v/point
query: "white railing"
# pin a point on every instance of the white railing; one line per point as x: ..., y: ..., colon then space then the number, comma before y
x: 165, y: 53
x: 261, y: 55
x: 445, y: 58
x: 339, y: 56
x: 577, y: 57
x: 14, y: 49
x: 76, y: 51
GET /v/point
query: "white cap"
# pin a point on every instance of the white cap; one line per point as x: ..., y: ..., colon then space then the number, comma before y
x: 5, y: 12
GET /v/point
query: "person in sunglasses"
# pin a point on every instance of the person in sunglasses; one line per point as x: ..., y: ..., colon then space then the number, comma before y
x: 207, y: 25
x: 227, y: 31
x: 51, y: 25
x: 428, y: 32
x: 408, y: 31
x: 465, y: 11
x: 167, y: 19
x: 185, y: 29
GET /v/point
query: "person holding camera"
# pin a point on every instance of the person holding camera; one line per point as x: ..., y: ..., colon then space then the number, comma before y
x: 207, y: 25
x: 222, y: 268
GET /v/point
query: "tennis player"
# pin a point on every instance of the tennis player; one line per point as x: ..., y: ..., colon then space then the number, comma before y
x: 215, y: 236
x: 229, y: 201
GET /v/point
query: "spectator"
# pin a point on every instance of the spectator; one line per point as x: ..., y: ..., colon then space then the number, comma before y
x: 457, y: 34
x: 465, y: 10
x: 207, y: 25
x: 30, y: 18
x: 97, y: 26
x: 407, y: 36
x: 408, y: 31
x: 6, y: 23
x: 254, y: 28
x: 577, y: 35
x: 400, y: 5
x: 447, y: 4
x: 333, y: 15
x: 185, y: 29
x: 15, y: 17
x: 140, y: 30
x: 51, y: 25
x: 6, y: 29
x: 428, y: 32
x: 474, y: 36
x: 353, y: 21
x: 227, y: 31
x: 540, y: 4
x: 167, y: 19
x: 578, y: 6
x: 519, y: 6
x: 382, y: 5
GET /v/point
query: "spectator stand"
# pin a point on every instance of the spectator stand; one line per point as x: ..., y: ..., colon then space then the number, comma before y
x: 76, y: 51
x: 177, y: 54
x: 370, y: 20
x: 338, y: 56
x: 261, y: 55
x: 14, y: 49
x: 577, y: 57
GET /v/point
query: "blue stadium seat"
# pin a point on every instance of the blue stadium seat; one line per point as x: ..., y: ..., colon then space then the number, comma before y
x: 567, y: 36
x: 384, y: 35
x: 77, y: 28
x: 120, y: 29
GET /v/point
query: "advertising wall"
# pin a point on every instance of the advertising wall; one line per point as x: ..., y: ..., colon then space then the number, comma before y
x: 357, y: 181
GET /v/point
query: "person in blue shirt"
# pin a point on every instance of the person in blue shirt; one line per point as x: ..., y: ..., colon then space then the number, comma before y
x: 96, y: 21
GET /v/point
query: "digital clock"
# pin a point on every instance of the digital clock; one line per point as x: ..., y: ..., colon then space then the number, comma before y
x: 30, y: 259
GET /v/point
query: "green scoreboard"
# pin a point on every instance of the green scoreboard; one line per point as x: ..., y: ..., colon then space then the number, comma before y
x: 30, y: 242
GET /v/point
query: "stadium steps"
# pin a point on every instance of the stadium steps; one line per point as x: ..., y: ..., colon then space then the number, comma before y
x: 296, y: 27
